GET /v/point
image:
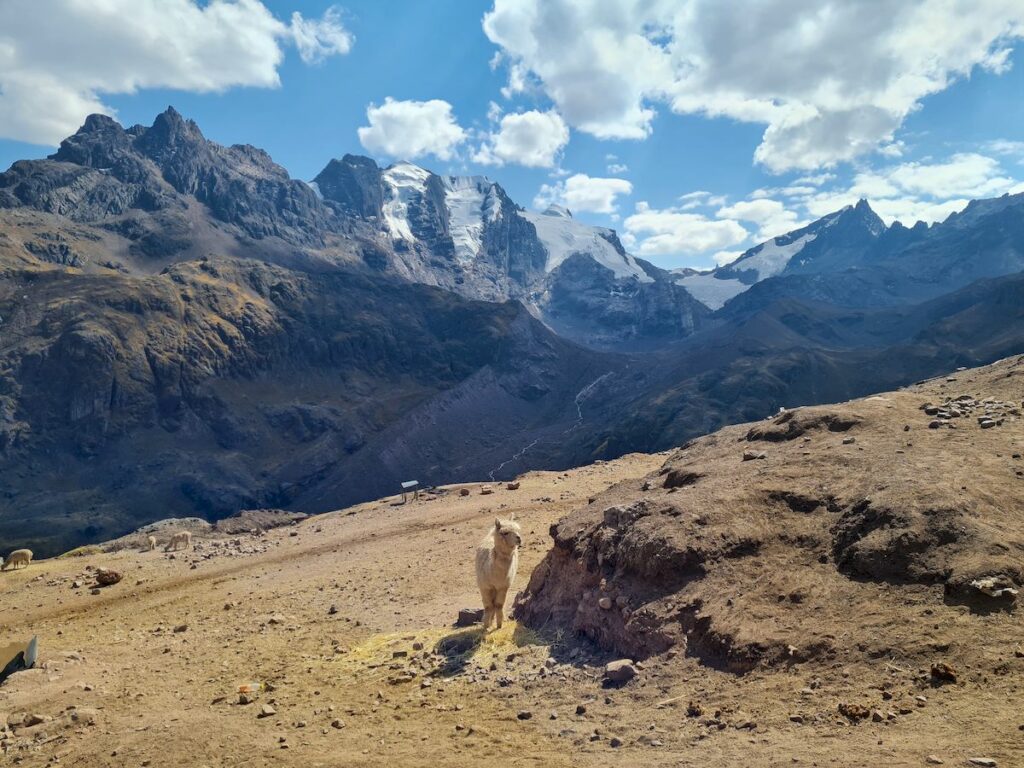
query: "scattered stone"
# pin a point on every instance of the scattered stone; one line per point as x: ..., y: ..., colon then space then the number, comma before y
x: 849, y: 440
x: 995, y: 586
x: 524, y: 714
x: 336, y: 723
x: 581, y: 709
x: 463, y: 491
x: 854, y: 712
x: 876, y: 716
x: 276, y: 619
x: 943, y: 672
x: 985, y: 762
x: 798, y: 719
x: 933, y: 760
x: 605, y: 603
x: 513, y: 486
x: 751, y: 455
x: 469, y: 616
x: 615, y: 741
x: 266, y: 711
x: 620, y: 671
x: 486, y: 490
x: 181, y: 628
x: 332, y: 610
x: 106, y: 577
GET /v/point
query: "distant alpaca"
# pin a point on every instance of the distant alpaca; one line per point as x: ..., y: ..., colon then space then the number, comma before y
x: 151, y: 541
x: 496, y: 560
x: 19, y: 557
x: 182, y: 537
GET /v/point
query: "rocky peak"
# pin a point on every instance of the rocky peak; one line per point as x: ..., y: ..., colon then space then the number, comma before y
x: 354, y: 183
x: 99, y: 143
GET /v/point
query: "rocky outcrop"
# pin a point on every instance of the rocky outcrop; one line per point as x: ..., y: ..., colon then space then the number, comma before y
x: 858, y: 506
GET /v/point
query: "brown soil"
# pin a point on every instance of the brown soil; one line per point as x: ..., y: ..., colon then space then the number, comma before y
x: 756, y: 652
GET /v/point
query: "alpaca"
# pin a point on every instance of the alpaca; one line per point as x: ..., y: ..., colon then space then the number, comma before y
x: 496, y: 560
x: 182, y: 537
x: 151, y: 542
x: 18, y: 558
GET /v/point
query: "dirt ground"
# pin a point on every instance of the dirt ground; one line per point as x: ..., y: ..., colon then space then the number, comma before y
x: 346, y: 620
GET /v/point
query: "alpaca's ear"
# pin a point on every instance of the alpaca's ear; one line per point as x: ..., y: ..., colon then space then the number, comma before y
x: 497, y: 523
x: 513, y: 518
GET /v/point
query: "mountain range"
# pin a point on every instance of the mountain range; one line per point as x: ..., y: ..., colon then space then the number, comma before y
x: 186, y: 330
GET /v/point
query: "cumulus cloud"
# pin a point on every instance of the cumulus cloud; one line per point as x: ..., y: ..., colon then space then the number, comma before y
x: 771, y: 216
x: 918, y: 191
x: 584, y: 193
x: 316, y: 40
x: 411, y: 129
x: 533, y: 139
x: 672, y: 232
x: 48, y: 86
x: 617, y: 168
x: 830, y: 83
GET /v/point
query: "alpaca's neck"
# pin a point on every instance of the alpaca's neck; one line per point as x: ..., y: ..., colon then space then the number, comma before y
x: 502, y: 551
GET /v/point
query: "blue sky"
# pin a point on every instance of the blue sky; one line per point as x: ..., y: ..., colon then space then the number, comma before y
x: 626, y: 112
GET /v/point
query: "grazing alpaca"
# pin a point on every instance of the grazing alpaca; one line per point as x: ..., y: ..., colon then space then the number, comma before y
x: 496, y: 561
x: 182, y: 537
x: 151, y: 541
x: 19, y: 557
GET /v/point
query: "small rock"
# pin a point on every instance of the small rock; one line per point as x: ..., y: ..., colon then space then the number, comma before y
x: 876, y: 716
x: 266, y: 711
x: 514, y: 486
x: 469, y: 616
x: 524, y: 714
x: 985, y: 762
x: 849, y: 440
x: 463, y: 491
x: 854, y: 711
x: 581, y: 709
x: 181, y: 628
x: 486, y: 490
x: 943, y: 673
x: 615, y: 741
x: 933, y: 760
x: 605, y: 603
x: 751, y: 455
x: 798, y: 719
x: 337, y: 724
x: 620, y: 671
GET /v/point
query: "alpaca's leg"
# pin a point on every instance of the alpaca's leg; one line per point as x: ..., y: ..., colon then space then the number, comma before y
x: 499, y: 605
x: 485, y: 597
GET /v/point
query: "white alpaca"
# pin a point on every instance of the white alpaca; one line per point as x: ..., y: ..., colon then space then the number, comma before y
x: 151, y: 541
x: 182, y: 537
x: 19, y: 557
x: 496, y: 560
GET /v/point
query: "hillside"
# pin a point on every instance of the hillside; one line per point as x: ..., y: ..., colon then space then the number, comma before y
x: 789, y: 608
x: 186, y: 330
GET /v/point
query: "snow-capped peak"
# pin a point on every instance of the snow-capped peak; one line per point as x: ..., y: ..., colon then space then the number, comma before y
x: 559, y: 211
x: 562, y: 236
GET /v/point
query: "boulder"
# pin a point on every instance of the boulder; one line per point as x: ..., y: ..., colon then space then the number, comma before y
x: 620, y: 671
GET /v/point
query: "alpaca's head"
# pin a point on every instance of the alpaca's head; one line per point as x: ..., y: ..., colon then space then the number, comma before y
x: 507, y: 532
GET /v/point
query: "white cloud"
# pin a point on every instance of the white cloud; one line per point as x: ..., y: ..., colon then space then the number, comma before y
x: 771, y: 216
x: 532, y: 138
x: 584, y: 193
x: 617, y: 168
x: 700, y: 199
x: 319, y: 39
x: 673, y: 232
x: 925, y: 191
x: 831, y: 82
x: 410, y: 129
x: 59, y: 58
x: 1007, y: 147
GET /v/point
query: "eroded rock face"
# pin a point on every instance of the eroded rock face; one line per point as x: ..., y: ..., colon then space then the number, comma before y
x: 745, y: 563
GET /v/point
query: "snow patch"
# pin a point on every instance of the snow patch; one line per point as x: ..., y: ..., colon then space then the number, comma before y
x: 562, y: 237
x: 316, y: 189
x: 471, y: 201
x: 771, y: 258
x: 404, y: 181
x: 712, y: 291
